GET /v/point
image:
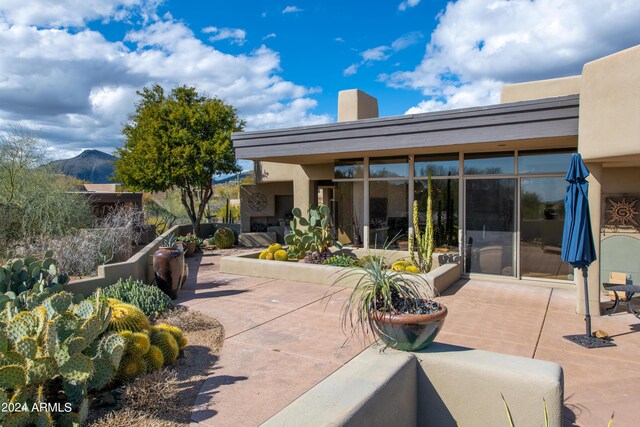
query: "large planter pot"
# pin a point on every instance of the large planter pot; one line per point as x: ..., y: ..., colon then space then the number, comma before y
x: 409, y: 332
x: 168, y: 267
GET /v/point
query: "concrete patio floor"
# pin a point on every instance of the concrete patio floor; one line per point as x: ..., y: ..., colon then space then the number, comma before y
x: 282, y: 338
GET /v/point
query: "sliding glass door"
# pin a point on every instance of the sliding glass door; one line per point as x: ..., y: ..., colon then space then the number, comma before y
x: 490, y: 226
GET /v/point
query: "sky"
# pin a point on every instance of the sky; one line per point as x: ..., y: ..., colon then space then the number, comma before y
x: 70, y: 69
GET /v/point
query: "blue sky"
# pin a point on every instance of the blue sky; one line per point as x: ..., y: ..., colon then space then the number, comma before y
x: 69, y: 69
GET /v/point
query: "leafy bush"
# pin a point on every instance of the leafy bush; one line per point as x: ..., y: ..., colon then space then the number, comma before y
x: 224, y: 238
x: 317, y: 237
x: 55, y: 353
x: 339, y: 261
x: 148, y: 298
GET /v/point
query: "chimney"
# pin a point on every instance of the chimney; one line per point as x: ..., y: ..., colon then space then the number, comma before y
x: 354, y: 104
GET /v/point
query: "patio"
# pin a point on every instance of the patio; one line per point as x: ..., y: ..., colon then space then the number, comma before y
x: 284, y: 337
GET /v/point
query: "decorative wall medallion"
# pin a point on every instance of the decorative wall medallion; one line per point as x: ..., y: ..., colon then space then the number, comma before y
x: 257, y: 202
x: 622, y: 212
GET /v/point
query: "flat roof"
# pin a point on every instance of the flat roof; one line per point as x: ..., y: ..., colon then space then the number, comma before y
x: 525, y: 120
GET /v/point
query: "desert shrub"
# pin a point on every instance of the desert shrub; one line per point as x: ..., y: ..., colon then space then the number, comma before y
x: 224, y: 238
x: 339, y: 261
x: 317, y: 257
x: 80, y: 252
x: 148, y: 298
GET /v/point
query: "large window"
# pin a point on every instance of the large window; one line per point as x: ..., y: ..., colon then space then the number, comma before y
x: 444, y: 202
x: 348, y: 169
x: 388, y: 213
x: 437, y: 165
x: 389, y: 167
x: 348, y: 211
x: 489, y: 163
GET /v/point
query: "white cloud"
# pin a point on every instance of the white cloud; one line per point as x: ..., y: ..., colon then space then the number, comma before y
x: 76, y: 88
x: 351, y: 70
x: 479, y: 45
x: 408, y: 4
x: 234, y: 35
x: 74, y: 13
x: 269, y: 36
x: 382, y: 53
x: 339, y: 39
x: 292, y: 9
x: 375, y: 54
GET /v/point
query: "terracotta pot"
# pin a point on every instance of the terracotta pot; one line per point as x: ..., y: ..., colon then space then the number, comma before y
x: 409, y: 332
x: 189, y: 248
x: 168, y: 266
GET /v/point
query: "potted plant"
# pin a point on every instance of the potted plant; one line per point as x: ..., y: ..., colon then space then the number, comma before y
x: 190, y: 243
x: 394, y: 305
x: 168, y: 266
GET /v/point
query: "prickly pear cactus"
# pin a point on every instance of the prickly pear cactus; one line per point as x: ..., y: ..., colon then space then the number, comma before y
x: 56, y: 343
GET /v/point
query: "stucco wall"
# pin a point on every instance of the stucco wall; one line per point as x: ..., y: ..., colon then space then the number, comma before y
x: 269, y: 190
x: 610, y: 106
x: 540, y: 89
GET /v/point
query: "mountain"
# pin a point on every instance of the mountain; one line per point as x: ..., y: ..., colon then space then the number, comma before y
x: 222, y: 179
x: 92, y: 166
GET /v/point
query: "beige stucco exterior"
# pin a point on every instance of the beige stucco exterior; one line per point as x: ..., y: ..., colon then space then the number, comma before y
x: 608, y: 139
x: 540, y: 89
x: 354, y: 104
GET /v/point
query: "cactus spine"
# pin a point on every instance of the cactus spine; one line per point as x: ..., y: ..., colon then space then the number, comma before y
x: 422, y: 250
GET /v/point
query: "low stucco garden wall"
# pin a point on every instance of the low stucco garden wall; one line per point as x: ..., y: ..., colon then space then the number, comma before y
x: 440, y: 386
x: 440, y: 278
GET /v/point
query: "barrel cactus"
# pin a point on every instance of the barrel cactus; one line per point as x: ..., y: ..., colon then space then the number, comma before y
x: 263, y: 254
x: 275, y: 247
x: 269, y: 256
x: 154, y: 358
x: 224, y: 238
x: 166, y: 343
x: 132, y: 366
x: 126, y: 317
x: 175, y: 331
x: 281, y: 255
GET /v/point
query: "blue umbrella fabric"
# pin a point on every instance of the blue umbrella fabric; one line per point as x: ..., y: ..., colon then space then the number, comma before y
x: 578, y: 248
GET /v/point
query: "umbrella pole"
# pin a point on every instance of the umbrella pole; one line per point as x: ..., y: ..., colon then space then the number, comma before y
x: 586, y: 301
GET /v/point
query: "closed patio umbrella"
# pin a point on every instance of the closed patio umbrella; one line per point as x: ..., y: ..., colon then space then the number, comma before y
x: 578, y: 248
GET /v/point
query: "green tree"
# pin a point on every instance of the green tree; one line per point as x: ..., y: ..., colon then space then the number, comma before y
x: 179, y: 140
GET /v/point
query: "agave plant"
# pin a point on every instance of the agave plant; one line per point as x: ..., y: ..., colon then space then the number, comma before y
x: 380, y: 290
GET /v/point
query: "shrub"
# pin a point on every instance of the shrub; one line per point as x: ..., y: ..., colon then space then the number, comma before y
x: 224, y: 238
x: 148, y: 298
x: 317, y: 257
x: 339, y: 261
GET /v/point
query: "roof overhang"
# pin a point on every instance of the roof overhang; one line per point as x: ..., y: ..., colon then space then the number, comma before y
x: 537, y: 120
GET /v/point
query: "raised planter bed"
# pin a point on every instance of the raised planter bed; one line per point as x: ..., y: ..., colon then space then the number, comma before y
x: 440, y: 278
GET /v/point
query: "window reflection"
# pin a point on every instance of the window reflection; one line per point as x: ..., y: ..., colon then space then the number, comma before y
x: 541, y: 223
x: 489, y: 163
x: 444, y: 196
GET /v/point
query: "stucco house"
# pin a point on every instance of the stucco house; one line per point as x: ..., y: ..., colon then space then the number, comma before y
x: 497, y: 173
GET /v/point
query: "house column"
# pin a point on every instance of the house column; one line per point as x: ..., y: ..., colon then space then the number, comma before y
x: 304, y: 190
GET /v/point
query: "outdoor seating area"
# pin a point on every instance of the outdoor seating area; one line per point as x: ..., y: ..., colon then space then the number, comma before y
x: 282, y: 338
